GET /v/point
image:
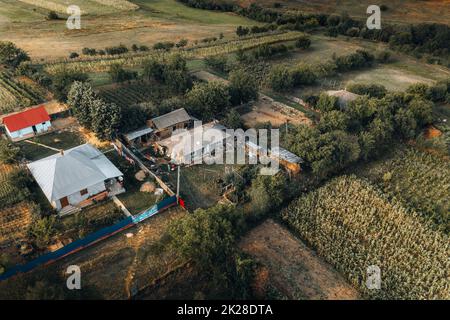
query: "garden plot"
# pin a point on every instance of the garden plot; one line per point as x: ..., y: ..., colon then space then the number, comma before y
x: 266, y: 110
x: 112, y: 267
x: 294, y: 269
x: 14, y: 222
x: 16, y: 94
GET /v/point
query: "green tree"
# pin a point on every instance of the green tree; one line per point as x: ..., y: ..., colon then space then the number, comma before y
x: 422, y: 110
x: 333, y: 120
x: 280, y: 79
x: 406, y: 123
x: 267, y: 193
x: 11, y: 55
x: 243, y: 87
x: 208, y: 235
x: 42, y: 230
x: 327, y: 103
x: 303, y: 42
x: 62, y: 82
x: 233, y: 120
x: 209, y: 100
x: 106, y: 119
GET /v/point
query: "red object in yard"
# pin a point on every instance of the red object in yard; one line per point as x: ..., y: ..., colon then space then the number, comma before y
x: 27, y: 118
x: 181, y: 202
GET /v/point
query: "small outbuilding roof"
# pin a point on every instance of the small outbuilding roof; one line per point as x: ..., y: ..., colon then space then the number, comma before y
x: 65, y: 173
x: 170, y: 119
x: 344, y: 96
x: 25, y: 119
x: 286, y: 155
x: 138, y: 133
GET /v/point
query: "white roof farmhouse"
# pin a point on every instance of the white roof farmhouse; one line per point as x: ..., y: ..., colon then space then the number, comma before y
x: 170, y: 119
x: 65, y: 173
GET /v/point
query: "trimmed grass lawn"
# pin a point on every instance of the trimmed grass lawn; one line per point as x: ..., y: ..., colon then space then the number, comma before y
x: 199, y: 186
x: 60, y: 140
x: 136, y: 201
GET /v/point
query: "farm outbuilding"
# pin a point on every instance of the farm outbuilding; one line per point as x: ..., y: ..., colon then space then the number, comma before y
x: 167, y: 123
x: 287, y: 159
x: 74, y: 178
x: 27, y: 124
x: 140, y: 137
x: 344, y: 97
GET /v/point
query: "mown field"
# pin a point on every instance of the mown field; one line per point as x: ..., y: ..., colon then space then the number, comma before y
x: 396, y: 75
x: 353, y: 226
x: 158, y: 20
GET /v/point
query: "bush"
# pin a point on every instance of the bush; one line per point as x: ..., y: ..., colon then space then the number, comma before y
x: 303, y: 43
x: 372, y: 90
x: 12, y: 55
x: 280, y: 79
x: 120, y: 49
x: 74, y: 55
x: 9, y: 153
x: 166, y: 45
x: 52, y: 15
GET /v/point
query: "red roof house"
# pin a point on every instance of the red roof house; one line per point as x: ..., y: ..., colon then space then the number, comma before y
x: 27, y: 123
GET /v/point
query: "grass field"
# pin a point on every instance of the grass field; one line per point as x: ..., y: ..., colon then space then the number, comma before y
x: 395, y: 76
x: 103, y: 26
x: 59, y: 140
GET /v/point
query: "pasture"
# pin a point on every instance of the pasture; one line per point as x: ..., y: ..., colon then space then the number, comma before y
x: 104, y: 25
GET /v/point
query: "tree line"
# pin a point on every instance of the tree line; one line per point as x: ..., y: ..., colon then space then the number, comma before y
x: 361, y: 130
x: 418, y: 39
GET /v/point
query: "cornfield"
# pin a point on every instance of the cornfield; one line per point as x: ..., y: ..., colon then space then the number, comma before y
x: 353, y: 226
x: 421, y: 181
x: 132, y: 60
x: 15, y: 94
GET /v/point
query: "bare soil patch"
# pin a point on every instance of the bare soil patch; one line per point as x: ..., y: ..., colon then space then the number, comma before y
x: 265, y: 110
x: 294, y: 269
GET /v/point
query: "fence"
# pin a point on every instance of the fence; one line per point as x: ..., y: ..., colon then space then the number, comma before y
x: 89, y: 240
x: 124, y: 151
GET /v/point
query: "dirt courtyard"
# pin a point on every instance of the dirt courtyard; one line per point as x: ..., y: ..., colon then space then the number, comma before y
x: 294, y: 269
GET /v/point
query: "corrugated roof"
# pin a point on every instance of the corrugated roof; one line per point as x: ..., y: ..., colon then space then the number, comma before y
x: 138, y: 133
x: 286, y: 155
x: 170, y: 119
x: 80, y: 167
x: 25, y: 119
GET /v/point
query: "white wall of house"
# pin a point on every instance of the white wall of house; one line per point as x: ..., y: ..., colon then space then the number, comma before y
x: 42, y: 127
x: 76, y: 197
